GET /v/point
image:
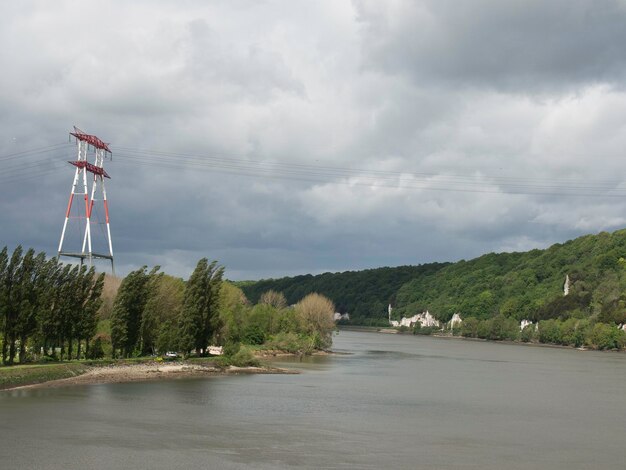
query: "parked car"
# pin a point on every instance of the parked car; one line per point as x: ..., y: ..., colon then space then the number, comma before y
x: 171, y: 354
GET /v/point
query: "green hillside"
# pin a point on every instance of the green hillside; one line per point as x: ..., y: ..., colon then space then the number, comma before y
x: 519, y: 285
x: 529, y: 285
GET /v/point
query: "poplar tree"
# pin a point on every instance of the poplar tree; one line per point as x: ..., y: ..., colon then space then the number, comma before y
x: 10, y: 305
x: 200, y: 313
x: 159, y: 323
x: 32, y: 282
x: 89, y: 300
x: 128, y: 308
x: 4, y: 261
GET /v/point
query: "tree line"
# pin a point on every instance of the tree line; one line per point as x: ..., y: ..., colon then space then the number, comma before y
x: 46, y: 305
x: 365, y: 294
x: 525, y: 285
x: 154, y: 313
x: 59, y: 312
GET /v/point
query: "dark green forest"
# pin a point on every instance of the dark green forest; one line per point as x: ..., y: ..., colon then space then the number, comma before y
x: 365, y: 295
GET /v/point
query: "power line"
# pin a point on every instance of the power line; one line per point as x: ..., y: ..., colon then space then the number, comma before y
x: 373, y: 178
x: 347, y: 176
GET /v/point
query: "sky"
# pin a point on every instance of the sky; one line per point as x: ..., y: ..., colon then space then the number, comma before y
x: 290, y: 137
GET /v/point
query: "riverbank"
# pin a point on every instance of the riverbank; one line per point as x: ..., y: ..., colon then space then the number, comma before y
x: 536, y: 344
x: 61, y: 375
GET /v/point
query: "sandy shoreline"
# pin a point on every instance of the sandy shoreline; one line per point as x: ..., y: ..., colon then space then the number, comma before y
x: 119, y: 373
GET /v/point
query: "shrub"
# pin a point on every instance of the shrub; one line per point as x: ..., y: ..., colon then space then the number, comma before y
x: 423, y: 330
x: 253, y: 334
x: 244, y: 358
x: 528, y: 334
x: 469, y: 328
x: 549, y: 332
x: 290, y: 342
x: 231, y: 348
x: 604, y: 336
x: 96, y: 351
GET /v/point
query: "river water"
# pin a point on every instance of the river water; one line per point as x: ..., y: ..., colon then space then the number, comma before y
x: 395, y: 401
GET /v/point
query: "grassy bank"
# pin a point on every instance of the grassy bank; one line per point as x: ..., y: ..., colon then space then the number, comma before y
x: 20, y: 375
x: 16, y: 376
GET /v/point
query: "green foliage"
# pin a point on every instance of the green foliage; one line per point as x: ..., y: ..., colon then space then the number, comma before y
x: 550, y: 332
x: 231, y: 348
x: 528, y: 334
x: 528, y: 285
x: 603, y: 336
x: 363, y: 294
x: 45, y: 305
x: 291, y: 342
x: 97, y: 350
x: 418, y: 329
x: 200, y: 317
x: 128, y: 308
x: 315, y: 314
x: 254, y: 334
x: 161, y: 313
x: 244, y: 358
x: 469, y: 327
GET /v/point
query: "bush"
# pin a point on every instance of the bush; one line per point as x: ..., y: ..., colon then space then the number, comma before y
x: 253, y: 334
x: 503, y: 328
x: 244, y: 358
x: 231, y: 348
x: 96, y: 351
x: 549, y: 332
x: 418, y: 329
x: 604, y: 336
x: 52, y: 358
x: 469, y: 328
x: 290, y: 342
x: 528, y: 334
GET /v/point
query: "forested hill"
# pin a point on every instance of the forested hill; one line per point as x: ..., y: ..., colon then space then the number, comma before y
x: 530, y: 285
x: 363, y: 294
x: 520, y: 285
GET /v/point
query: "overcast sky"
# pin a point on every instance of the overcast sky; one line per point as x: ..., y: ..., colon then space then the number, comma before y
x: 290, y: 137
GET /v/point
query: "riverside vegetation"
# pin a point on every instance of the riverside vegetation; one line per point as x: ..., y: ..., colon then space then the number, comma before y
x: 51, y: 312
x: 492, y: 293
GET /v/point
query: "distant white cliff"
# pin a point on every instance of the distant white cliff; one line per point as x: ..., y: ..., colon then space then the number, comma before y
x: 425, y: 319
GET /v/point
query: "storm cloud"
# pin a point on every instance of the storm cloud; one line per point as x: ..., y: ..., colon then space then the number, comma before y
x: 286, y: 137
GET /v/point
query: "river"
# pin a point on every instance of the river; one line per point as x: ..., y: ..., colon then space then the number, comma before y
x: 394, y: 401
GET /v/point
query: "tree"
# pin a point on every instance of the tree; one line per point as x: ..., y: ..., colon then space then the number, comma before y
x: 33, y: 282
x: 316, y: 316
x: 200, y: 314
x: 274, y: 299
x: 232, y: 313
x: 128, y: 309
x: 161, y: 313
x: 90, y: 301
x: 604, y: 336
x: 4, y: 261
x: 10, y: 305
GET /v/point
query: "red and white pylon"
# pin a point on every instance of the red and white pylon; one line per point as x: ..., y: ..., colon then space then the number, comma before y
x: 85, y: 142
